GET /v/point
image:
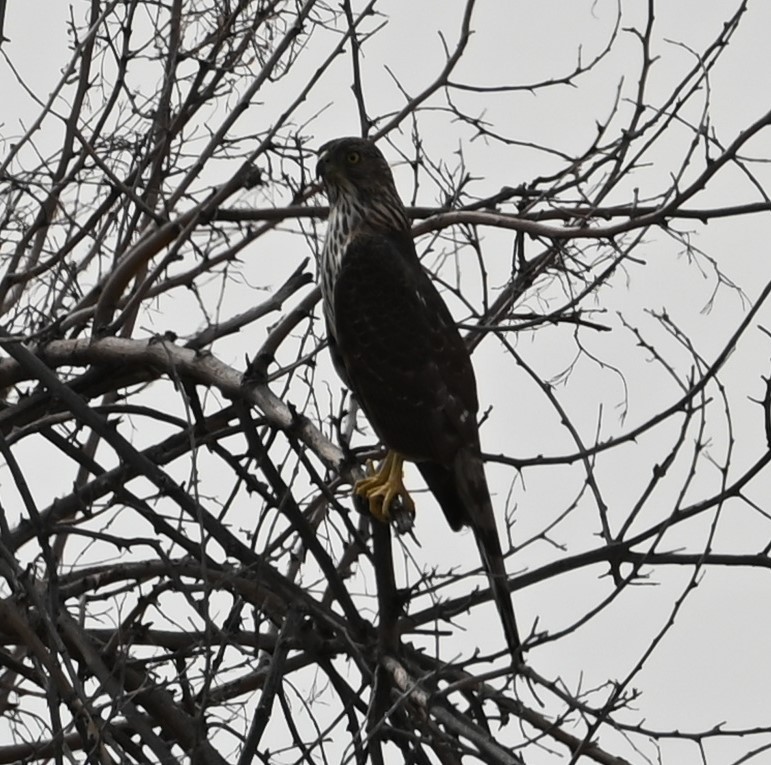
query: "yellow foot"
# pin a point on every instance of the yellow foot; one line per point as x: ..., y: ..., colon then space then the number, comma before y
x: 383, y: 486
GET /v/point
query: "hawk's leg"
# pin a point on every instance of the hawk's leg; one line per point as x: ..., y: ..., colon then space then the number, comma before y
x: 384, y: 486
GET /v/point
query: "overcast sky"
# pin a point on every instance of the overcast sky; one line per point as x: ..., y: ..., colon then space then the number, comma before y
x: 713, y: 666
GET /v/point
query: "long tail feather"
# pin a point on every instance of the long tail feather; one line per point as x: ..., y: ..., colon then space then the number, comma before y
x: 492, y: 559
x: 472, y: 486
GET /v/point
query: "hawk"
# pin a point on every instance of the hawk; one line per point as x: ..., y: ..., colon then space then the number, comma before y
x: 396, y: 346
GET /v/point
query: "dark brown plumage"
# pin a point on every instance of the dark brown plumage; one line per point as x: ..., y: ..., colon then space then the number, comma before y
x: 396, y: 346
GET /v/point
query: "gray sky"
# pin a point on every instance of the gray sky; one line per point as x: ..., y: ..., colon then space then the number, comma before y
x: 712, y: 667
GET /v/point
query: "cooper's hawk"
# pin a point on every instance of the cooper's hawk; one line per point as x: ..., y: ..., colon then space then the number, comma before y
x: 396, y: 346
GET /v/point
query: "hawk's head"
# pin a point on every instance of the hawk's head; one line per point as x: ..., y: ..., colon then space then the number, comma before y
x: 354, y: 169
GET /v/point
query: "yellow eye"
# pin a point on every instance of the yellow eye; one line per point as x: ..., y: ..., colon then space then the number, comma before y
x: 353, y: 157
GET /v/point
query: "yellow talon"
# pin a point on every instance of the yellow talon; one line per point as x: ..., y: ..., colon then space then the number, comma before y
x: 383, y: 486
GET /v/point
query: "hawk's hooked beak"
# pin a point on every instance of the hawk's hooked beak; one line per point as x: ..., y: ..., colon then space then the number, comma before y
x: 321, y: 164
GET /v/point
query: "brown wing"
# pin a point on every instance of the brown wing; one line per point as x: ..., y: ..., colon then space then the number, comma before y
x: 410, y: 370
x: 401, y: 351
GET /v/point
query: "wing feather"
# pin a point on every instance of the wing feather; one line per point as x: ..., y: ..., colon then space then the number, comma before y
x: 401, y: 351
x: 407, y: 364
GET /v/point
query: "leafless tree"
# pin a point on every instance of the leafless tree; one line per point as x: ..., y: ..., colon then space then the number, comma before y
x: 185, y: 575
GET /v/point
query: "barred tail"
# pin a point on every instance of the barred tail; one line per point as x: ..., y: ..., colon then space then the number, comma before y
x: 472, y: 486
x: 492, y: 559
